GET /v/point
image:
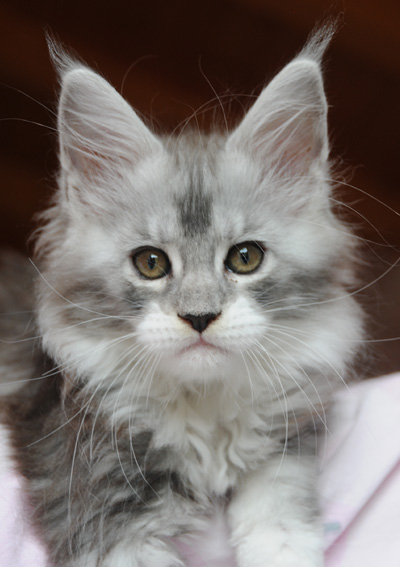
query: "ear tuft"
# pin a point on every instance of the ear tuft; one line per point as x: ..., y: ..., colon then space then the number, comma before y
x: 319, y: 40
x: 286, y: 129
x: 62, y: 59
x: 99, y: 132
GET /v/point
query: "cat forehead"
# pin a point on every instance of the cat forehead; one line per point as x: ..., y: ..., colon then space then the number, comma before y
x: 192, y: 191
x: 192, y: 188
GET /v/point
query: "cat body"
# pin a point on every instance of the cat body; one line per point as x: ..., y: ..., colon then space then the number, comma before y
x: 195, y: 320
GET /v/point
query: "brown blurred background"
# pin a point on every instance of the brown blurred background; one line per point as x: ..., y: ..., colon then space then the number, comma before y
x: 170, y: 57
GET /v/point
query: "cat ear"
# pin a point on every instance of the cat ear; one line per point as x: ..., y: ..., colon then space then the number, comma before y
x: 99, y: 132
x: 286, y: 129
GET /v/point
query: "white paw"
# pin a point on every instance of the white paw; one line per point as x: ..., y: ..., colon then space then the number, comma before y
x: 280, y: 548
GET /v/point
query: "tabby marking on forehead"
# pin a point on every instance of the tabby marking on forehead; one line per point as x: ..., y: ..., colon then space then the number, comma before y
x: 195, y: 209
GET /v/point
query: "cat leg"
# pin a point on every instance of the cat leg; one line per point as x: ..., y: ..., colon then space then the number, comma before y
x: 130, y: 551
x: 147, y: 540
x: 274, y: 516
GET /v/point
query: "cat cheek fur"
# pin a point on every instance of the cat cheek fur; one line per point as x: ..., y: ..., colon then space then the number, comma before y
x: 143, y: 428
x: 187, y: 362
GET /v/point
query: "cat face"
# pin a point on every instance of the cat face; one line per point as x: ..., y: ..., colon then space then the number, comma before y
x: 199, y: 307
x: 189, y: 255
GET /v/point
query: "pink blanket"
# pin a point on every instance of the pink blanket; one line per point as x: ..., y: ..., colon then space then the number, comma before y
x: 359, y: 487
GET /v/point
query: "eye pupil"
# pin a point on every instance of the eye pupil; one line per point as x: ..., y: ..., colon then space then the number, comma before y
x: 244, y: 254
x: 151, y: 261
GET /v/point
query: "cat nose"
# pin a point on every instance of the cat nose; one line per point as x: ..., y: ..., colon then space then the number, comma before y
x: 200, y: 322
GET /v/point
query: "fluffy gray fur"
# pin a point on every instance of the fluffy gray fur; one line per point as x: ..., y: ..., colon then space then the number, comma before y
x: 144, y: 427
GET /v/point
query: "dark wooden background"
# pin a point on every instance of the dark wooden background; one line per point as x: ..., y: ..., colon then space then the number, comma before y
x: 169, y: 58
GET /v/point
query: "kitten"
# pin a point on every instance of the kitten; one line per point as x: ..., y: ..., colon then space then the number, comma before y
x: 195, y: 319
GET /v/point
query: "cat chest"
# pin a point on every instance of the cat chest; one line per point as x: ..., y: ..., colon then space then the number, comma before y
x: 211, y: 456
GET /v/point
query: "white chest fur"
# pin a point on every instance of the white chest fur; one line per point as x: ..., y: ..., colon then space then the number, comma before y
x: 216, y: 439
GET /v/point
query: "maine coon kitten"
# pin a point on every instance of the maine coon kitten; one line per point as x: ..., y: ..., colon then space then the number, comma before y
x: 195, y: 319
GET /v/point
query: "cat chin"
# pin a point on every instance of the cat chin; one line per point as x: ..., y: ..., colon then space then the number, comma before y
x: 198, y: 363
x: 201, y: 349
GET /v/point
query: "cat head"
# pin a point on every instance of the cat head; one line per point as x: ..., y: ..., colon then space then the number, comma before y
x: 183, y: 259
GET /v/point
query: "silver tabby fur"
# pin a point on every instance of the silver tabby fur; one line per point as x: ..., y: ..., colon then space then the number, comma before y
x: 142, y: 428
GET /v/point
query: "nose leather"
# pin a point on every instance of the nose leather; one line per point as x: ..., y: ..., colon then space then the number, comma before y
x: 199, y: 322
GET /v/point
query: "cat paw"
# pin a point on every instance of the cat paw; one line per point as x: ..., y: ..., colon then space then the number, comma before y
x: 277, y: 548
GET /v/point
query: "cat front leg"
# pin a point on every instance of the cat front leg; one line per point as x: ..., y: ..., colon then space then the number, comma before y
x: 274, y: 516
x: 132, y: 550
x: 125, y: 536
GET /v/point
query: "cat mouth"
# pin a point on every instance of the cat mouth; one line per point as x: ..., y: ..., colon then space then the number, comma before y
x: 201, y: 345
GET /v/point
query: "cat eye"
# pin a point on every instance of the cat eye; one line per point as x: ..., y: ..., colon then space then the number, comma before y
x: 244, y: 258
x: 151, y: 263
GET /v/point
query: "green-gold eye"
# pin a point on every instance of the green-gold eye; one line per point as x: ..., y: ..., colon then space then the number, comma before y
x: 151, y: 263
x: 244, y: 258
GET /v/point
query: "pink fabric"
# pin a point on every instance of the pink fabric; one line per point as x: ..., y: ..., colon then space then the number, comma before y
x: 359, y: 486
x: 18, y: 545
x: 360, y: 478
